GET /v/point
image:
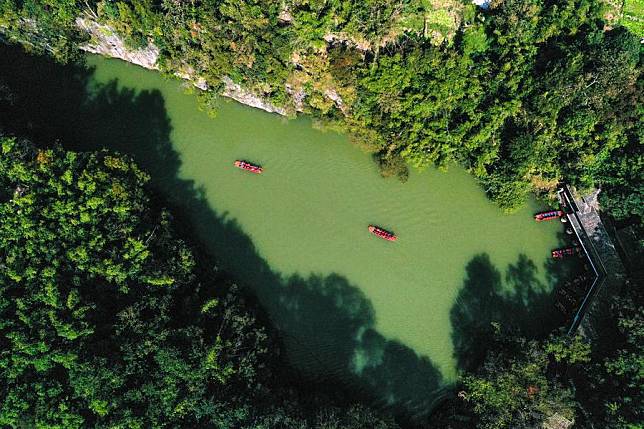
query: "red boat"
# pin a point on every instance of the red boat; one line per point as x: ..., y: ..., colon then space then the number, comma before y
x: 562, y: 253
x: 382, y: 233
x: 248, y: 167
x: 552, y: 214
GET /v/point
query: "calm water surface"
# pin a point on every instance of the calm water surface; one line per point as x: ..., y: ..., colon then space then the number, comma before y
x: 393, y: 320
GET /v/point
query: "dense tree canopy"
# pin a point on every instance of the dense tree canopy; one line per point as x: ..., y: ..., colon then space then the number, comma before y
x: 108, y: 319
x: 525, y: 94
x: 518, y: 386
x: 611, y: 389
x: 529, y: 98
x: 103, y: 316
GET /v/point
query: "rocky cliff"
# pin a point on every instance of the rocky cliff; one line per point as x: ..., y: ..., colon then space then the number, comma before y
x: 105, y: 41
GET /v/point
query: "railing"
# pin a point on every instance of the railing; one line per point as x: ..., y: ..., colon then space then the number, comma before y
x: 588, y: 247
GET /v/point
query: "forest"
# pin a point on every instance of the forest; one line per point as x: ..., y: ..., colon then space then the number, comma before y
x: 111, y: 319
x: 112, y: 316
x: 524, y: 94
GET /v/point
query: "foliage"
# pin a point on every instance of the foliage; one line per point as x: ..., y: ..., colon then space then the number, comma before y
x: 516, y: 387
x: 354, y: 417
x: 523, y: 383
x: 97, y: 298
x: 525, y: 95
x: 42, y: 26
x: 520, y: 105
x: 109, y: 319
x: 620, y: 171
x: 391, y: 164
x: 633, y: 17
x: 611, y: 390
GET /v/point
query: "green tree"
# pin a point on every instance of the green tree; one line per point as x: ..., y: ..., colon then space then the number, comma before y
x: 611, y: 389
x: 516, y: 388
x: 107, y: 317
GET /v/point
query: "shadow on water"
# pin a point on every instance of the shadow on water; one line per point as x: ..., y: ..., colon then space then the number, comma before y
x: 326, y: 323
x: 518, y: 301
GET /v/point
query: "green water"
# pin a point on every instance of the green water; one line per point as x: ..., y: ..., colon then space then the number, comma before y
x: 391, y: 321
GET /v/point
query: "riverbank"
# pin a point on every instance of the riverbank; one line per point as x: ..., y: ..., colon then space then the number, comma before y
x: 393, y: 320
x: 105, y: 41
x: 389, y: 83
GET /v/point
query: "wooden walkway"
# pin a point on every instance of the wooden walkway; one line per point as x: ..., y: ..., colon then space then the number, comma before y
x: 609, y: 271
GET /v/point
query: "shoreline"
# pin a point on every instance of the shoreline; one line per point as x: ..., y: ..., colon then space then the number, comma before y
x: 106, y: 42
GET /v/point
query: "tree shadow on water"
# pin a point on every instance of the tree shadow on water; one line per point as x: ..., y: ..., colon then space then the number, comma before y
x: 519, y: 301
x: 327, y: 326
x: 333, y: 326
x: 326, y: 323
x: 51, y: 102
x: 46, y: 99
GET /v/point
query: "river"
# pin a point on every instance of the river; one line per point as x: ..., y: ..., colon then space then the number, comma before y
x: 393, y: 321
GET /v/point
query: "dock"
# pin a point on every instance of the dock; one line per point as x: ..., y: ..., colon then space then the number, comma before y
x: 607, y: 268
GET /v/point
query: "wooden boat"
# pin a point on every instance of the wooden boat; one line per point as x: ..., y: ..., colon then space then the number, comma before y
x: 549, y: 215
x: 382, y: 233
x: 248, y: 167
x: 562, y: 253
